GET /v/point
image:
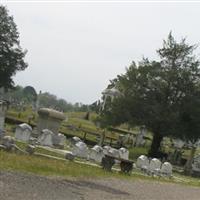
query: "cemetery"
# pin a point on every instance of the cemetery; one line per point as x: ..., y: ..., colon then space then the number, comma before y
x: 139, y: 138
x: 110, y: 156
x: 54, y: 135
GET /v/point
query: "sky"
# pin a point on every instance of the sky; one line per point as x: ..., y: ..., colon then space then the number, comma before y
x: 75, y: 48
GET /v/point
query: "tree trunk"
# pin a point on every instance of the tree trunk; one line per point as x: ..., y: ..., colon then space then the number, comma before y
x: 155, y: 145
x: 188, y: 165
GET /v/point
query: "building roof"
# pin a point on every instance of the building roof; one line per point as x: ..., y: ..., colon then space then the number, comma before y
x: 51, y: 113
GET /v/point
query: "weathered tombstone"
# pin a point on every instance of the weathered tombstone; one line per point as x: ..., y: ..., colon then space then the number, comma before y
x: 96, y: 153
x: 154, y: 166
x: 106, y: 149
x: 49, y: 119
x: 3, y: 109
x: 80, y: 149
x: 8, y: 142
x: 114, y: 152
x: 123, y: 153
x: 23, y: 132
x: 166, y: 169
x: 75, y: 140
x: 142, y: 162
x: 196, y: 166
x: 59, y: 140
x: 140, y: 137
x: 46, y: 138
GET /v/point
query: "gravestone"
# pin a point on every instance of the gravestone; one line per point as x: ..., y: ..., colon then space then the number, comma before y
x: 8, y: 142
x: 166, y: 169
x: 196, y: 165
x: 142, y: 162
x: 75, y: 140
x: 123, y: 153
x: 106, y: 149
x: 49, y: 119
x: 111, y: 151
x: 46, y: 138
x: 154, y: 166
x: 23, y: 132
x: 59, y: 140
x: 80, y: 149
x: 3, y: 109
x: 96, y: 153
x: 140, y: 137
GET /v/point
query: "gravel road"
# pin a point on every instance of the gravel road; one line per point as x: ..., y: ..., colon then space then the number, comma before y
x: 19, y: 186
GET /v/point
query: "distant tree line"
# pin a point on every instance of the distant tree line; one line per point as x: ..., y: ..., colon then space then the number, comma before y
x: 25, y: 96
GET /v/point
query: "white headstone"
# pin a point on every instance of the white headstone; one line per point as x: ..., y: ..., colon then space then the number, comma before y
x: 80, y: 149
x: 96, y: 153
x: 106, y: 149
x: 166, y: 169
x: 154, y: 166
x: 142, y: 162
x: 46, y: 138
x: 114, y: 152
x: 23, y: 132
x: 62, y: 139
x: 124, y: 153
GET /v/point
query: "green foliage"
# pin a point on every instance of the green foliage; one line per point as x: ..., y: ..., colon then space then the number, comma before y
x: 190, y: 118
x: 11, y: 53
x: 51, y: 101
x: 30, y: 94
x: 153, y: 91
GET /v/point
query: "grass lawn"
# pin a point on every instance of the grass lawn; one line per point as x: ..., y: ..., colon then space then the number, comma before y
x: 45, y: 166
x: 51, y: 167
